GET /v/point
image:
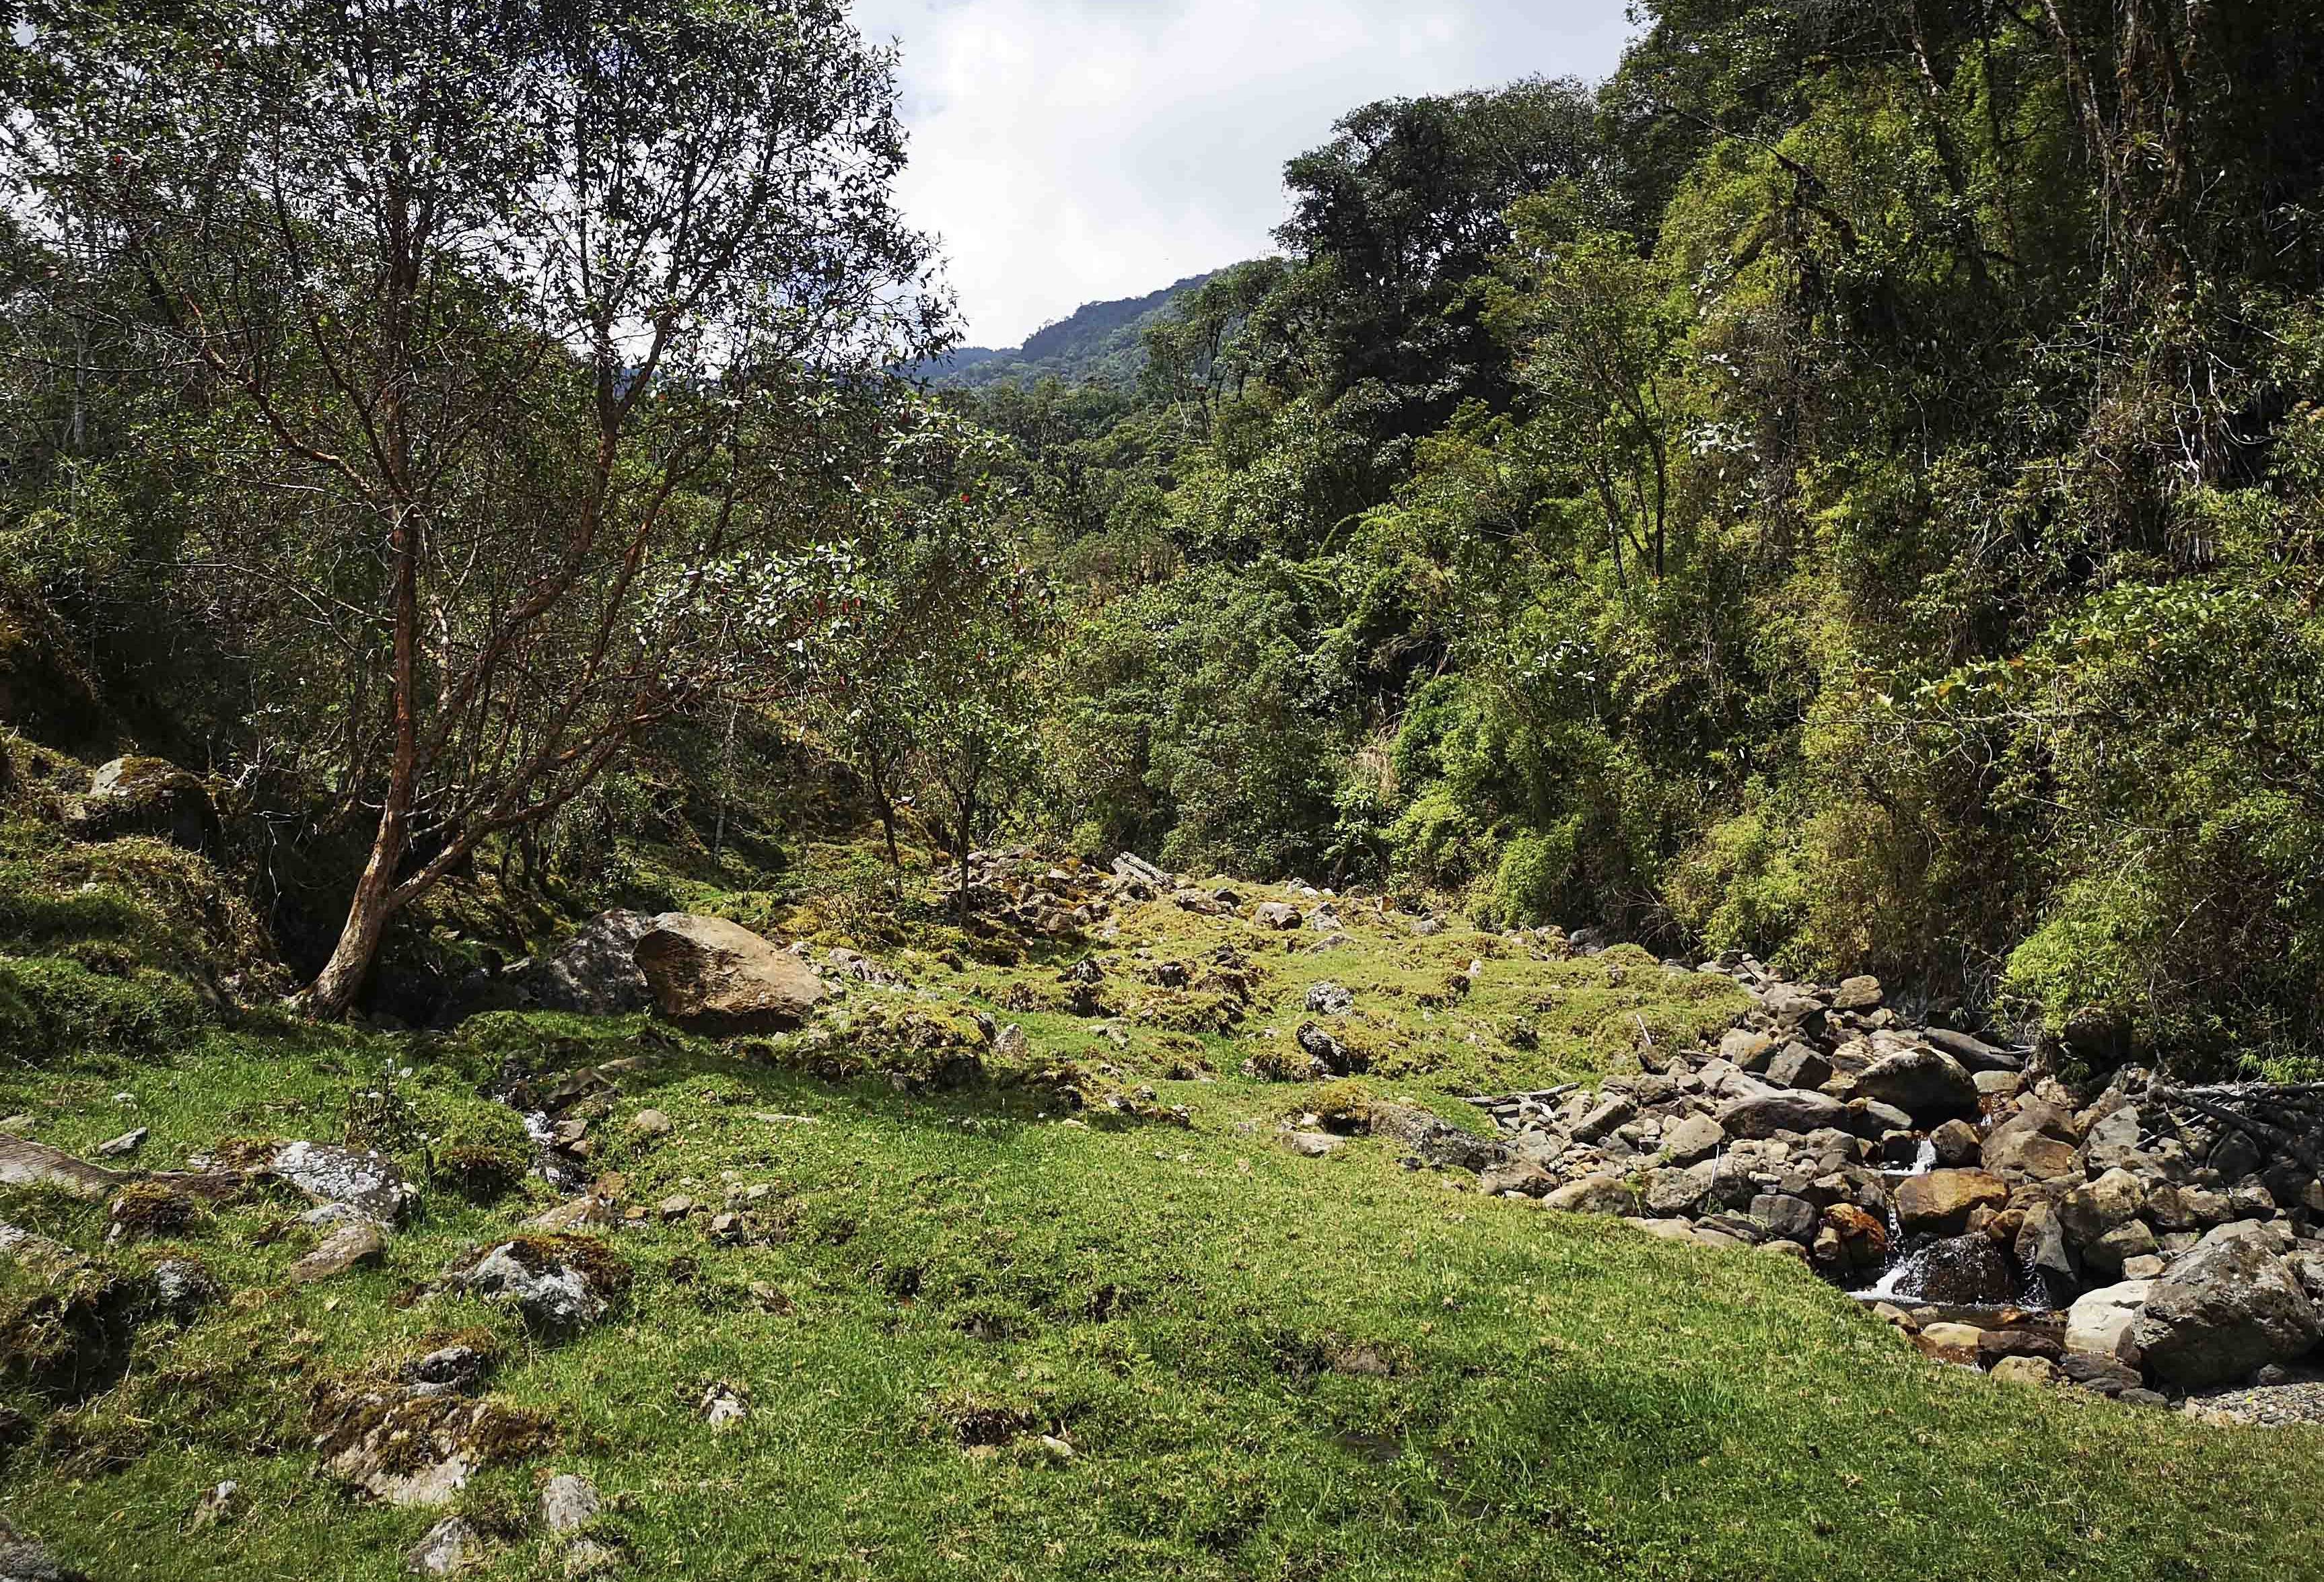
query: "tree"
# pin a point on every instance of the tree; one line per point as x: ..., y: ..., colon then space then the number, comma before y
x: 528, y: 318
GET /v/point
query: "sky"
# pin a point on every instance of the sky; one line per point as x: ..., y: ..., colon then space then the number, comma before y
x: 1076, y: 151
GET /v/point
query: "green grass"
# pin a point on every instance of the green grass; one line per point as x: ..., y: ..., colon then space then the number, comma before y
x: 1262, y: 1366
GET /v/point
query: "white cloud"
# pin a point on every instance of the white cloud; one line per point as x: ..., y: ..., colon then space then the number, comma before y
x: 1068, y: 150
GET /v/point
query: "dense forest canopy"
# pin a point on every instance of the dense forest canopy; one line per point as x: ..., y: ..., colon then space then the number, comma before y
x: 1847, y: 487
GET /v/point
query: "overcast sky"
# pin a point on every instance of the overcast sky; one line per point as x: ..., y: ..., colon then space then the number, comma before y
x: 1071, y: 151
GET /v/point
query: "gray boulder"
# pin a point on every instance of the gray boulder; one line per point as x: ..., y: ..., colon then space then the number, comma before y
x: 1762, y: 1115
x: 595, y: 972
x: 555, y: 1283
x: 2227, y: 1309
x: 1928, y: 1084
x: 719, y: 977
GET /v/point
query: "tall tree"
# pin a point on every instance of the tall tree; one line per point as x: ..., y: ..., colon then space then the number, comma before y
x: 528, y: 313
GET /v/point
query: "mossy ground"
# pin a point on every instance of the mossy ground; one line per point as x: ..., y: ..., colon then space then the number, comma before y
x: 1251, y: 1363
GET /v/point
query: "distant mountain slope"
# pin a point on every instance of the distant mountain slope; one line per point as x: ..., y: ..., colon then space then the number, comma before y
x: 1098, y: 344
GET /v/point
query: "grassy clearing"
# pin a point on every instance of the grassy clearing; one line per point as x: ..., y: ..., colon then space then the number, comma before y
x: 982, y: 1337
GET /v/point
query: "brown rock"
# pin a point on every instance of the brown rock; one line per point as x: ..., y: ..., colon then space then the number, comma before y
x: 358, y: 1244
x: 2039, y: 1141
x: 721, y: 978
x: 1940, y: 1203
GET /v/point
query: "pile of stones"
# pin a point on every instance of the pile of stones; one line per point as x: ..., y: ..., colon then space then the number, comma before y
x: 2141, y: 1240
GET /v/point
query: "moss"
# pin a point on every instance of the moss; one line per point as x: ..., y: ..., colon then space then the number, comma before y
x: 146, y: 1210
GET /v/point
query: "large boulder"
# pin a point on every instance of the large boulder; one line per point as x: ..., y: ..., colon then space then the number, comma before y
x: 2100, y: 1321
x: 595, y: 972
x: 2038, y: 1141
x: 147, y: 796
x: 1926, y: 1083
x: 2227, y: 1309
x: 1762, y: 1115
x: 2096, y: 1207
x: 1940, y: 1203
x: 720, y: 977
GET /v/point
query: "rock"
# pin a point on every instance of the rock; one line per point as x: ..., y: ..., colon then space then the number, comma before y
x: 1594, y: 1194
x: 1998, y: 1344
x: 1330, y: 1000
x: 651, y: 1123
x: 1870, y: 1119
x: 450, y: 1370
x: 1312, y: 1144
x: 1946, y: 1336
x: 1797, y: 1065
x: 23, y: 1560
x: 122, y: 1146
x: 1746, y: 1049
x: 2228, y: 1307
x: 1276, y: 914
x: 147, y: 796
x: 2112, y: 1253
x: 677, y: 1206
x: 1960, y: 1271
x: 451, y: 1546
x: 555, y: 1283
x: 218, y: 1504
x: 720, y: 977
x: 595, y: 972
x: 724, y: 1406
x: 588, y: 1558
x: 24, y: 1163
x: 356, y: 1244
x: 1974, y: 1055
x: 2039, y: 1141
x: 1786, y: 1217
x: 2144, y: 1266
x: 1422, y: 927
x: 2112, y: 1141
x: 1857, y: 994
x: 1604, y: 1117
x: 2027, y: 1370
x: 2100, y: 1322
x: 569, y: 1504
x: 1795, y: 1009
x: 1675, y: 1191
x: 370, y: 1183
x: 1326, y: 1054
x: 1927, y: 1084
x: 1955, y: 1143
x: 1516, y: 1176
x: 1939, y: 1202
x: 1695, y: 1138
x: 1432, y: 1140
x: 1762, y: 1115
x: 2097, y: 1207
x: 1851, y: 1242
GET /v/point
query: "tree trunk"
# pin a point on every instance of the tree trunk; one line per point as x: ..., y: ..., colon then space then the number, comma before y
x: 333, y: 990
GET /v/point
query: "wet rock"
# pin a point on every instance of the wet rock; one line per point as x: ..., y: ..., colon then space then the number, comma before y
x: 1762, y: 1115
x: 1955, y: 1143
x: 555, y: 1283
x: 720, y: 977
x: 1960, y: 1271
x: 568, y: 1503
x: 451, y: 1546
x: 2232, y: 1305
x: 368, y: 1182
x: 1939, y: 1202
x: 1927, y: 1084
x: 2100, y: 1321
x: 355, y: 1245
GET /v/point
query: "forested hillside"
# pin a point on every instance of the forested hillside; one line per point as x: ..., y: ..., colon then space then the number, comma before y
x: 1846, y: 487
x: 1099, y: 343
